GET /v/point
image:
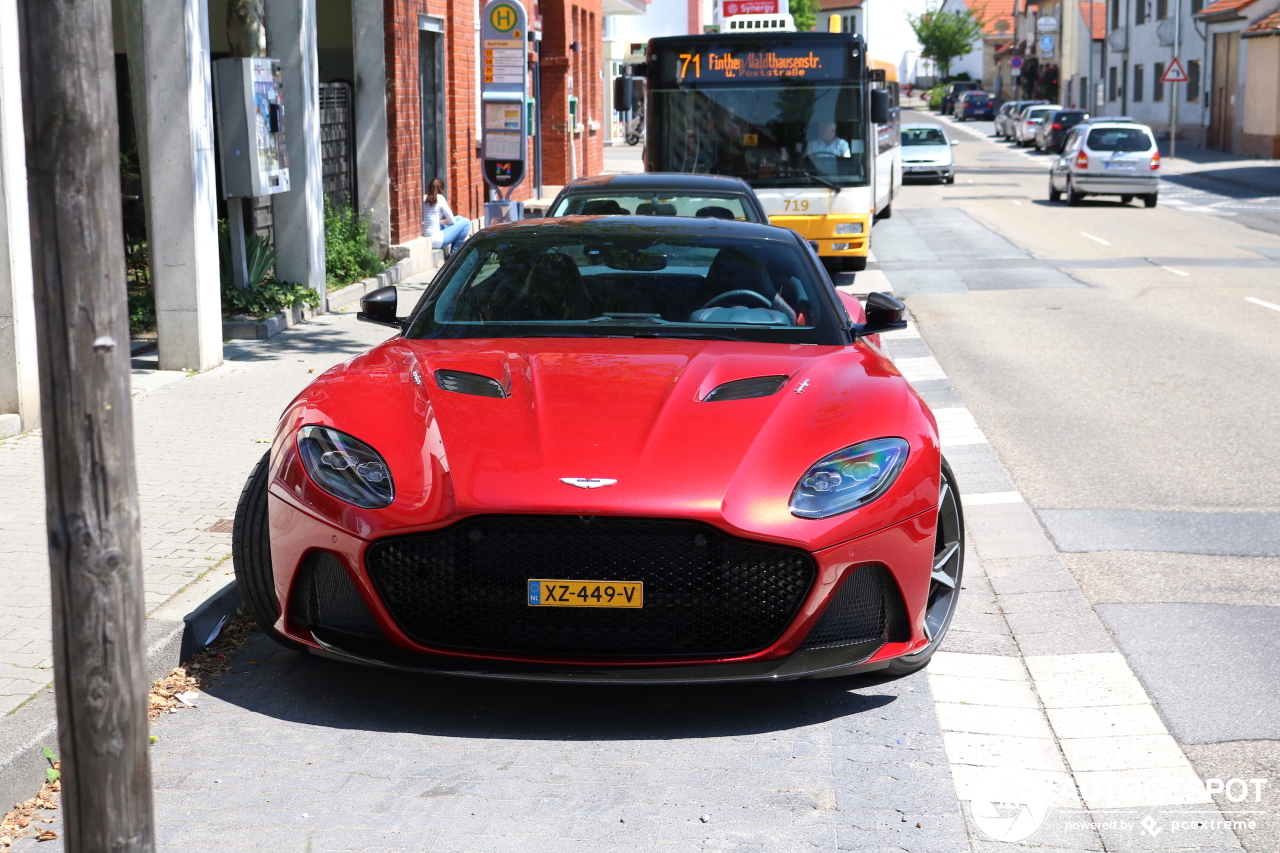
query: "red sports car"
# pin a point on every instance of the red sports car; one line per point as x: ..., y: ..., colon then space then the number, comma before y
x: 612, y: 449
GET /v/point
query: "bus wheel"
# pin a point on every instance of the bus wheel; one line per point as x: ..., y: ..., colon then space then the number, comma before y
x: 887, y: 211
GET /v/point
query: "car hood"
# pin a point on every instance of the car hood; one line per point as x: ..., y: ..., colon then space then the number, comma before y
x: 926, y: 152
x: 626, y: 410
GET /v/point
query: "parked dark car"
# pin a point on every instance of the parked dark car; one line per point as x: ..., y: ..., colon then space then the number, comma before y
x: 1051, y: 133
x: 975, y: 105
x: 954, y: 90
x: 660, y: 194
x: 1007, y: 116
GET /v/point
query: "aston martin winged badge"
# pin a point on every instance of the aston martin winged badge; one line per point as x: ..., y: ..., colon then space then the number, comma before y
x: 587, y: 482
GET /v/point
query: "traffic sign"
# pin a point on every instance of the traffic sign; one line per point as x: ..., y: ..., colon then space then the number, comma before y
x: 1046, y: 44
x: 503, y: 120
x: 1015, y: 62
x: 1175, y: 73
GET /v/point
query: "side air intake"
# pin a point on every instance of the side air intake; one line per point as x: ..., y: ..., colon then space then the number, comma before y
x: 469, y: 383
x: 745, y: 389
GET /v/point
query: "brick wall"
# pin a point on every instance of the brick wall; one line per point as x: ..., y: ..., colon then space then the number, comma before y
x: 404, y: 101
x: 563, y: 22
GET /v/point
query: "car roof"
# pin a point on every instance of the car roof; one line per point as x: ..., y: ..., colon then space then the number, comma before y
x: 659, y: 181
x: 1115, y: 120
x: 633, y: 226
x: 924, y: 124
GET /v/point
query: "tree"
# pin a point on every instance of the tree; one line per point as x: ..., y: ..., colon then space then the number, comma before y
x: 945, y: 36
x: 804, y: 13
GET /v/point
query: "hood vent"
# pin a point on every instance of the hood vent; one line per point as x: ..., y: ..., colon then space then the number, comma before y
x: 469, y: 383
x: 745, y: 389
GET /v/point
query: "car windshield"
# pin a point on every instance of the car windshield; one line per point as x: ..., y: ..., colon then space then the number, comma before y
x: 923, y: 136
x: 657, y: 203
x: 1119, y: 139
x: 767, y: 135
x: 639, y: 280
x: 979, y: 100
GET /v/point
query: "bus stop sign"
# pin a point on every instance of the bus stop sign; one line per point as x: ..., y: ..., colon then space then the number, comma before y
x: 504, y: 41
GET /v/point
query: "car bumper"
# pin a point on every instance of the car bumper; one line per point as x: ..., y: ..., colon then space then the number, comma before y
x: 901, y: 555
x: 1115, y: 184
x: 819, y: 231
x: 910, y: 172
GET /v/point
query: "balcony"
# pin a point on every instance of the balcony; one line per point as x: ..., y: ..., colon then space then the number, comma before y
x: 1118, y: 39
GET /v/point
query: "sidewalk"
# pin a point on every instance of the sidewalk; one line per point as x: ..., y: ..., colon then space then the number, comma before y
x: 196, y: 438
x: 1193, y: 161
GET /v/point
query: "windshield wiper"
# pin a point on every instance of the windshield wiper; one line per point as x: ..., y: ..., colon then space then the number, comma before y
x: 627, y: 318
x: 826, y: 182
x: 697, y: 336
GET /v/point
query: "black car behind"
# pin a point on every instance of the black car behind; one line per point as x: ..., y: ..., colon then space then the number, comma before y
x: 1051, y: 134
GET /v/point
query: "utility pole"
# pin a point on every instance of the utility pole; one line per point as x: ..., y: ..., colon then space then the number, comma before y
x: 82, y: 332
x: 1173, y: 87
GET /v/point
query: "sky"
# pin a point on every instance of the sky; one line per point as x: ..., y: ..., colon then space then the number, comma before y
x: 889, y: 35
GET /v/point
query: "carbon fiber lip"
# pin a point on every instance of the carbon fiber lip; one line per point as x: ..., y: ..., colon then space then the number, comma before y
x: 845, y: 660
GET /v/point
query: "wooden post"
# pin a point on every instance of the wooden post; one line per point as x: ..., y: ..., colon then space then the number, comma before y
x: 82, y: 330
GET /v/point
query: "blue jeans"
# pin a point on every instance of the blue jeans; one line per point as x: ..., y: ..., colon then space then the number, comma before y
x: 456, y: 234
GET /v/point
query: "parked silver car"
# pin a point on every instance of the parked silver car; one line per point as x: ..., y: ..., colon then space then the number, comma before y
x: 1107, y: 157
x: 1008, y: 114
x: 1024, y: 127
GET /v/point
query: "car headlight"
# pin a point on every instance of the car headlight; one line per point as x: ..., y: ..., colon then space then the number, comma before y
x: 849, y: 478
x: 848, y: 227
x: 346, y: 467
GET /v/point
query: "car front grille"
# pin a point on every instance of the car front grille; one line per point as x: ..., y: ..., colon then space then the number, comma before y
x: 867, y: 607
x: 705, y: 593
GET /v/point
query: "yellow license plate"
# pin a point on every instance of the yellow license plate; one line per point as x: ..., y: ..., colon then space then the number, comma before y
x: 557, y: 593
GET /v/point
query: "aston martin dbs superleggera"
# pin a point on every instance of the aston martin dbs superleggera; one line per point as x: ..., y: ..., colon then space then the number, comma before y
x: 612, y: 449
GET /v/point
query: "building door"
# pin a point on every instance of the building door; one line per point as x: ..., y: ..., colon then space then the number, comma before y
x: 1226, y: 67
x: 431, y: 87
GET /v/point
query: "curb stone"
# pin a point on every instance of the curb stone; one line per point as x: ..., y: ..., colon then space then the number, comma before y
x: 25, y: 732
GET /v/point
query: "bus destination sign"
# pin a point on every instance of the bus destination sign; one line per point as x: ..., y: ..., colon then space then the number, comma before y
x: 772, y: 62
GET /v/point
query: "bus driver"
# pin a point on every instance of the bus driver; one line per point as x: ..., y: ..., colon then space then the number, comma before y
x: 827, y: 141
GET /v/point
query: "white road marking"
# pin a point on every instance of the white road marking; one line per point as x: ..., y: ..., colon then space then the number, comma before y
x: 992, y: 498
x: 1095, y: 239
x: 957, y: 427
x: 1270, y: 305
x: 1015, y: 201
x: 923, y: 369
x: 1176, y: 272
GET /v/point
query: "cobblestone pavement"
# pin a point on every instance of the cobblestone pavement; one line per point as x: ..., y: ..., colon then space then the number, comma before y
x: 196, y: 438
x: 294, y: 752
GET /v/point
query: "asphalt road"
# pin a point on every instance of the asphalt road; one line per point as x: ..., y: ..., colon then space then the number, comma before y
x: 1125, y: 364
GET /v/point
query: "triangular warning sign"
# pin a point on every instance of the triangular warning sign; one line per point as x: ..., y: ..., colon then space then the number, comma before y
x: 1175, y: 73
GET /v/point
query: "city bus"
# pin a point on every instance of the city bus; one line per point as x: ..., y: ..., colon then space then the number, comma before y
x: 804, y: 118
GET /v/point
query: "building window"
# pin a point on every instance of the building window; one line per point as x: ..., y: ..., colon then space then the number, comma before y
x: 1140, y: 12
x: 1084, y: 94
x: 1111, y: 85
x: 1139, y: 80
x: 1157, y: 86
x: 1197, y: 6
x: 1115, y: 16
x: 1193, y: 80
x: 1162, y: 9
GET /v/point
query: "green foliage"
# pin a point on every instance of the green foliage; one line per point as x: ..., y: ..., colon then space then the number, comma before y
x: 51, y: 773
x: 935, y: 95
x: 137, y: 277
x: 348, y: 252
x: 265, y: 295
x: 805, y: 14
x: 945, y: 36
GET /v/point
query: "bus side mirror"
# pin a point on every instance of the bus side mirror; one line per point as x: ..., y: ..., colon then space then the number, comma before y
x: 879, y: 106
x: 622, y: 94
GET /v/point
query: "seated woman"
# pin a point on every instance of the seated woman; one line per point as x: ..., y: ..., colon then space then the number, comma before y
x: 446, y: 231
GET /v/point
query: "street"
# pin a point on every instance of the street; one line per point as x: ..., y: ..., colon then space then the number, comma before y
x: 1100, y: 379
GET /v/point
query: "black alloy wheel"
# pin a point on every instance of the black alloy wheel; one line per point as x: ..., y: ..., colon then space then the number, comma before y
x: 945, y: 578
x: 251, y: 554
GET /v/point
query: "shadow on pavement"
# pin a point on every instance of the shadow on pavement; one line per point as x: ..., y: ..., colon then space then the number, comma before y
x: 302, y: 688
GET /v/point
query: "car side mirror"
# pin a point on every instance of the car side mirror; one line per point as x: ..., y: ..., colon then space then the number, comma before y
x: 955, y: 142
x: 884, y: 314
x: 622, y: 94
x: 379, y: 306
x: 880, y: 106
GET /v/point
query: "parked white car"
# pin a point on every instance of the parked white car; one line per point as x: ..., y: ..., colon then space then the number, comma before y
x: 1024, y: 128
x: 926, y: 153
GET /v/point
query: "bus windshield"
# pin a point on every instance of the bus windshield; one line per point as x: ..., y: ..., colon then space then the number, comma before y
x: 775, y: 135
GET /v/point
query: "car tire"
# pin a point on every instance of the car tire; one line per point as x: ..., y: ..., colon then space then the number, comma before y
x: 949, y: 179
x: 1073, y: 198
x: 1150, y: 200
x: 947, y: 575
x: 1125, y: 199
x: 251, y: 554
x: 1054, y: 194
